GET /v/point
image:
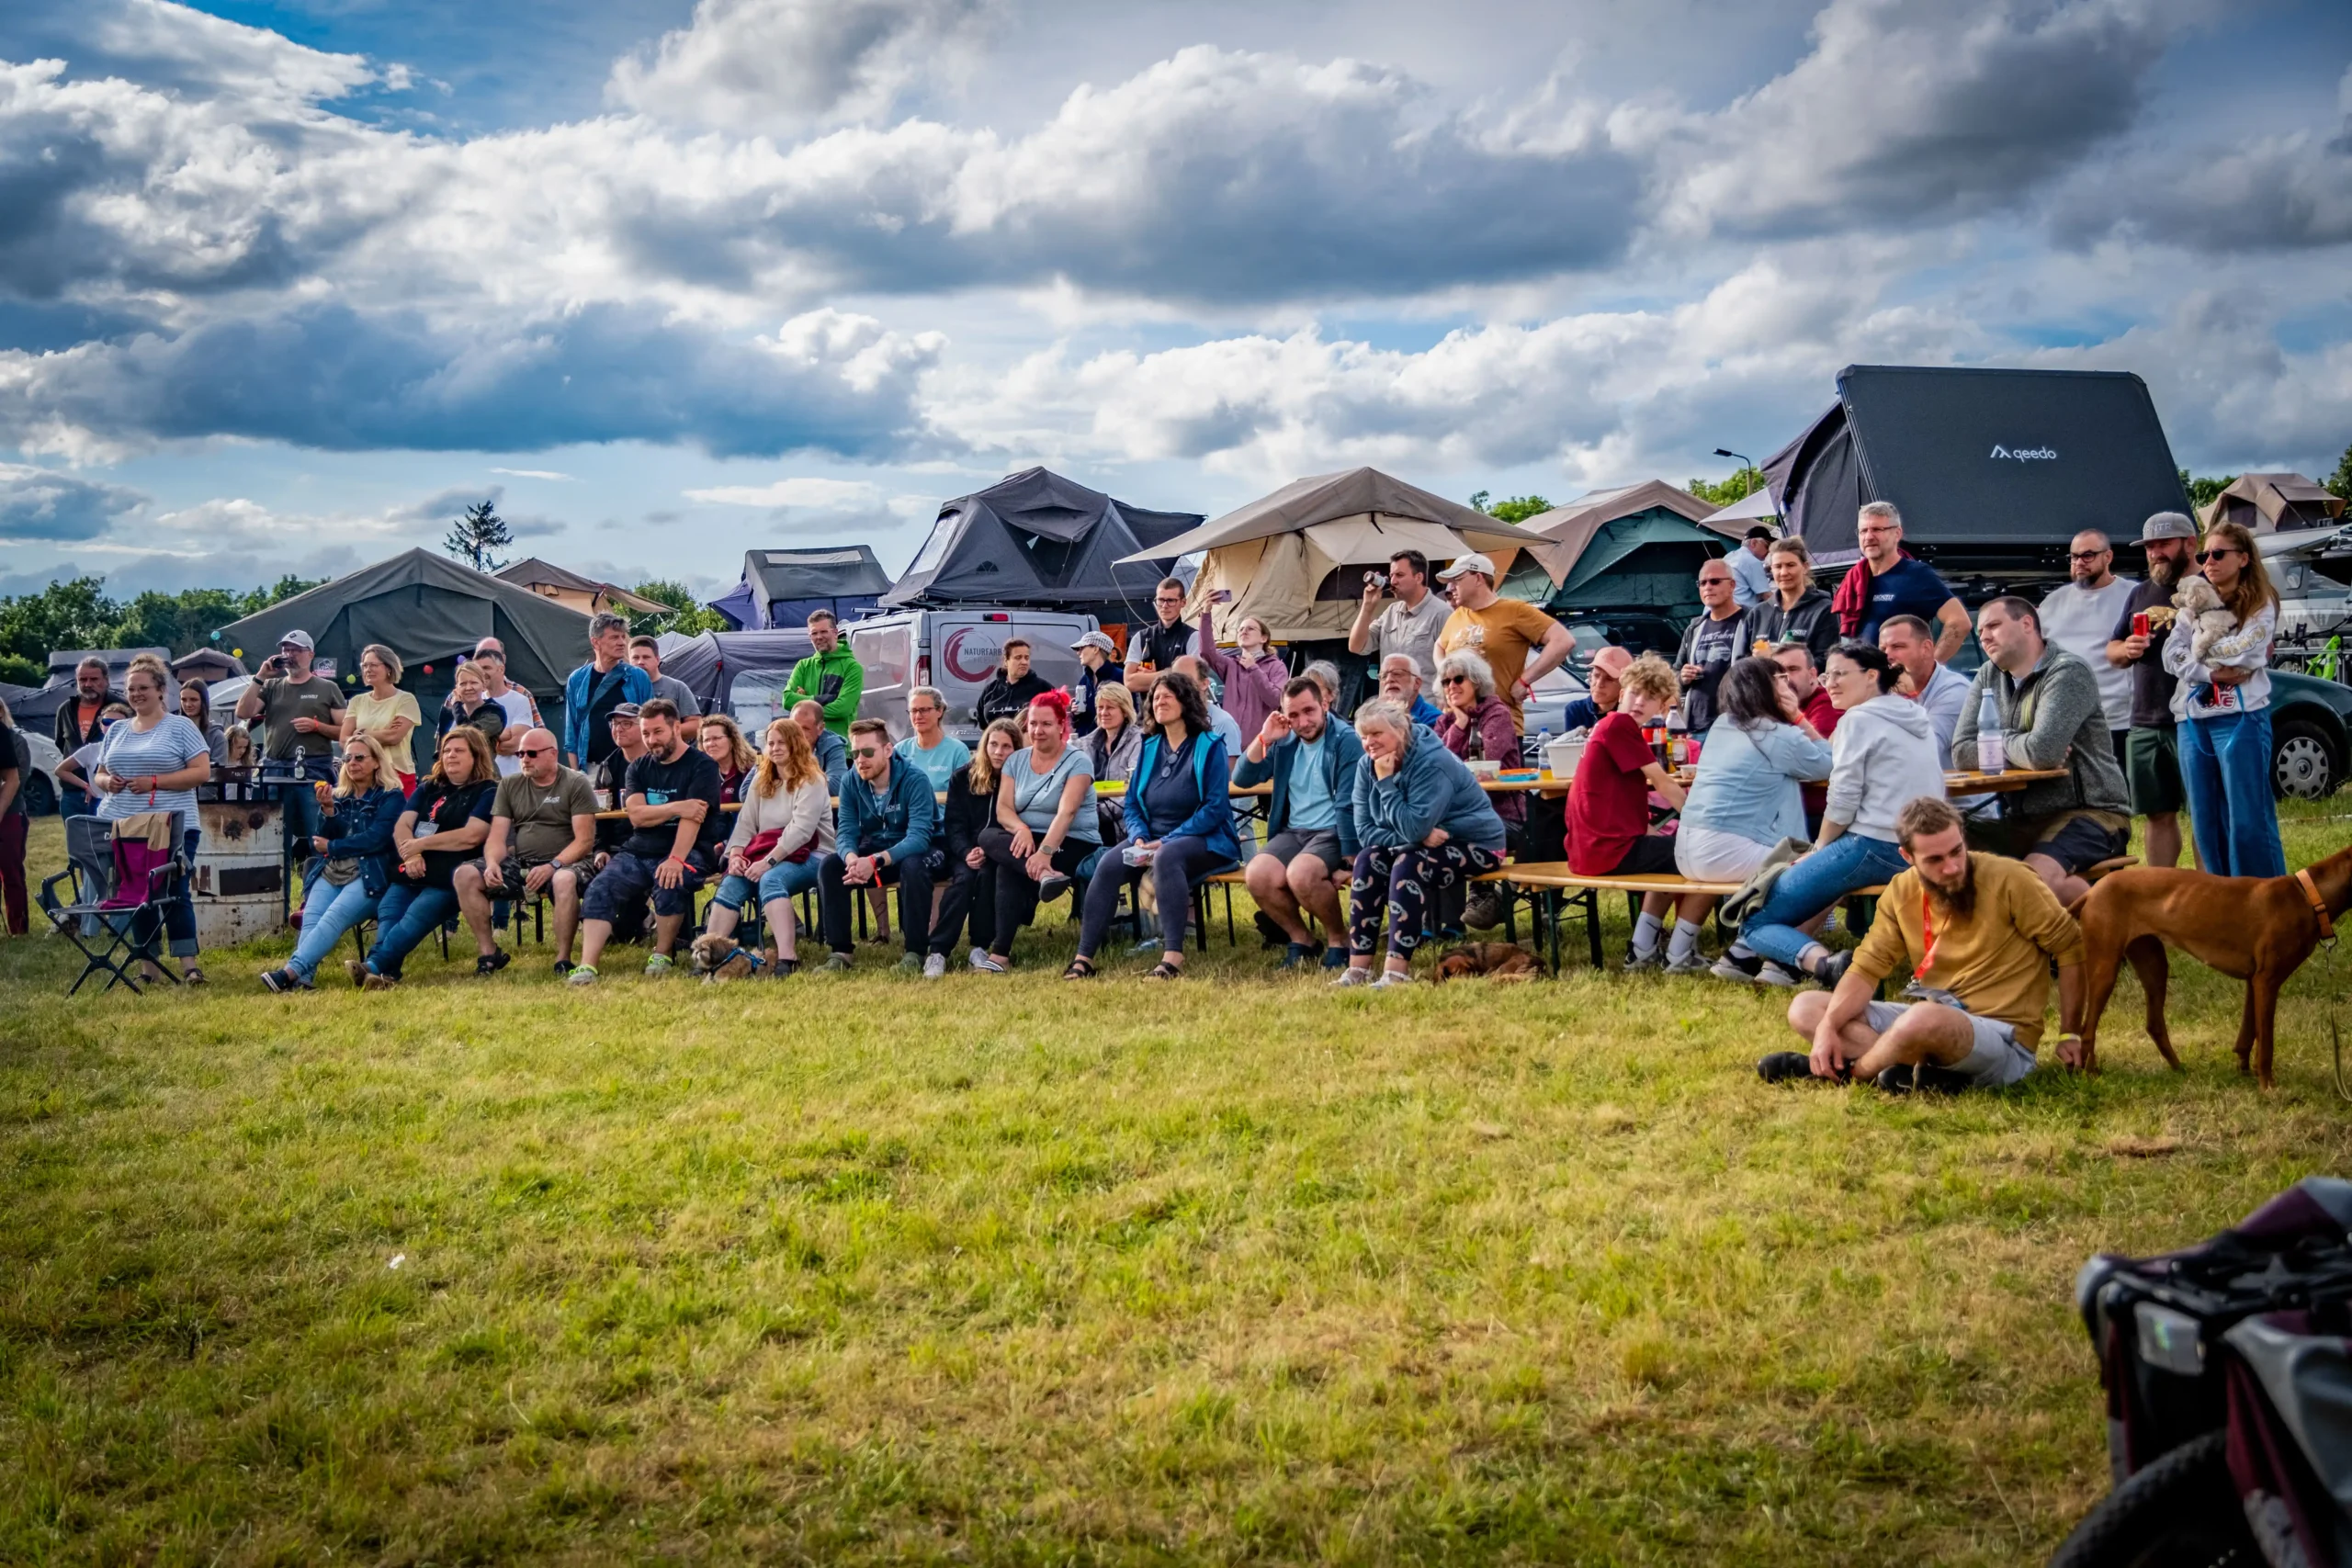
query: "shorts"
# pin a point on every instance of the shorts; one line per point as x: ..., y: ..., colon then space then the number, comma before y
x: 1323, y: 844
x: 1704, y: 855
x: 512, y: 870
x: 628, y: 879
x: 2152, y: 769
x: 2082, y: 843
x: 1995, y: 1059
x: 1652, y: 855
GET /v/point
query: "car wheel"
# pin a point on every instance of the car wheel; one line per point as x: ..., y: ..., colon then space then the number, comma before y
x: 41, y: 797
x: 2303, y: 761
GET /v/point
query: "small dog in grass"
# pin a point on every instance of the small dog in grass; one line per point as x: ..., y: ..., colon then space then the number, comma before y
x: 719, y: 959
x: 1493, y: 960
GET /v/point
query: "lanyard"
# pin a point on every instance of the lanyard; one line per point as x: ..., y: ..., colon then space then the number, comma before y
x: 1927, y: 938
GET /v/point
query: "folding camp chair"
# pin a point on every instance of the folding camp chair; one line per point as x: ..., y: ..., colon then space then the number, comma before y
x: 110, y: 938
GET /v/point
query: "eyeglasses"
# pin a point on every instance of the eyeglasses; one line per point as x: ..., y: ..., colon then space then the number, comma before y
x: 2204, y: 556
x: 527, y: 753
x: 868, y: 753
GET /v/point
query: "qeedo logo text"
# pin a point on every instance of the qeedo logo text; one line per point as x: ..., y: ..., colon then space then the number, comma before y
x: 2026, y: 454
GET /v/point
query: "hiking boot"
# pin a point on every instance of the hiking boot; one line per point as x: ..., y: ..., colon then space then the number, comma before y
x: 936, y: 966
x: 492, y: 963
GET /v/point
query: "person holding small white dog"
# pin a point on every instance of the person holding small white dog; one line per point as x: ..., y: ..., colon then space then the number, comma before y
x: 2220, y: 652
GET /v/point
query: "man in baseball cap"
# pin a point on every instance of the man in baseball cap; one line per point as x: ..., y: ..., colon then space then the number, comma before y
x: 2150, y: 748
x: 302, y: 713
x: 1098, y: 661
x: 1519, y: 643
x: 1607, y: 666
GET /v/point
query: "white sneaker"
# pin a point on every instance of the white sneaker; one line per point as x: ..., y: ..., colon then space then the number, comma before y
x: 978, y: 954
x: 935, y: 966
x: 984, y: 963
x: 1353, y: 976
x: 1392, y: 980
x: 1691, y: 963
x: 1774, y: 974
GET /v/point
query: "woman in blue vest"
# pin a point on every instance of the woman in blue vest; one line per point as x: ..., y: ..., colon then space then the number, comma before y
x: 1179, y: 825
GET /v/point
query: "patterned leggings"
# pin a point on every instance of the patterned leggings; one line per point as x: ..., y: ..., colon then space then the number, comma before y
x: 1404, y: 880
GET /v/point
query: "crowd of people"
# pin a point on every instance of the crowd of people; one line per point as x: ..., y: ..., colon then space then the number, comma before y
x: 1824, y: 724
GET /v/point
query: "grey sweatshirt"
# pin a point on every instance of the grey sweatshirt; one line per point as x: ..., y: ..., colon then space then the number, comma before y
x: 1881, y: 757
x: 2053, y: 718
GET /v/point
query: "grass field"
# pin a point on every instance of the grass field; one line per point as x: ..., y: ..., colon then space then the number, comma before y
x: 1011, y: 1271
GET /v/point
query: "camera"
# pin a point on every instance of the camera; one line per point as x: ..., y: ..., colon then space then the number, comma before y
x: 1379, y: 577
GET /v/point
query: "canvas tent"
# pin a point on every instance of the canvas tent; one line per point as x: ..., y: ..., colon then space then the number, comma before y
x: 1994, y: 468
x: 1295, y: 558
x: 1040, y: 541
x: 427, y: 609
x: 2265, y: 503
x: 735, y: 673
x: 782, y: 588
x: 1759, y: 505
x: 574, y: 592
x: 1638, y: 547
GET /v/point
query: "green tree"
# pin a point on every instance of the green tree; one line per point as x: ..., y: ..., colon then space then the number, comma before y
x: 2203, y: 488
x: 687, y: 616
x: 2339, y: 483
x: 76, y: 614
x: 1743, y: 483
x: 1518, y: 509
x: 477, y: 537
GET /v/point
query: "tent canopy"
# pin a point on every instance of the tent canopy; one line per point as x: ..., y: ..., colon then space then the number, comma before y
x: 709, y: 663
x: 1571, y: 529
x: 1756, y: 506
x: 1038, y: 539
x: 784, y: 587
x: 1980, y: 460
x: 1363, y: 495
x: 426, y: 608
x: 2267, y: 502
x: 532, y: 572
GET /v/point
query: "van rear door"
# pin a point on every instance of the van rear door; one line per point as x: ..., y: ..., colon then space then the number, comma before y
x: 966, y: 649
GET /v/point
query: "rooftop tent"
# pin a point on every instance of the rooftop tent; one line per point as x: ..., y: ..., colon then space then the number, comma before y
x: 2265, y: 503
x: 1287, y: 557
x: 711, y: 663
x: 1639, y: 547
x: 208, y: 665
x: 1042, y: 541
x: 782, y: 587
x: 427, y: 609
x: 567, y: 587
x: 1759, y: 505
x: 2000, y: 467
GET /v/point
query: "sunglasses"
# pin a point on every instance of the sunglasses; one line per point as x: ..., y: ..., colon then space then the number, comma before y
x: 527, y: 753
x: 1451, y: 680
x: 869, y: 753
x: 2204, y: 556
x: 2086, y: 555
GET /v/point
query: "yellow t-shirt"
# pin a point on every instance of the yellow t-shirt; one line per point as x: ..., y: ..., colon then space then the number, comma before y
x: 1505, y: 634
x: 1996, y: 961
x: 370, y: 714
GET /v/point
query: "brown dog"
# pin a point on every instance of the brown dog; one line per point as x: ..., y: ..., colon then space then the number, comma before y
x: 2258, y: 929
x: 1495, y: 960
x: 719, y: 959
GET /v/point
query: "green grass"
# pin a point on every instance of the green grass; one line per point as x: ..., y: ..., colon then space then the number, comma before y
x: 1006, y: 1270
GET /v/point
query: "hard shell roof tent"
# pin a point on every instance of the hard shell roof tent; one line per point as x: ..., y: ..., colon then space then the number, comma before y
x: 2265, y: 503
x: 781, y: 588
x: 1994, y: 469
x: 1039, y: 540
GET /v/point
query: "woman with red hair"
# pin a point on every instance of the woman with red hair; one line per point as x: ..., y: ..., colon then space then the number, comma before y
x: 1046, y: 823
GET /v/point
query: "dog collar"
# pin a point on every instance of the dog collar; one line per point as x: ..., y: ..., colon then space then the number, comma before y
x: 2319, y: 905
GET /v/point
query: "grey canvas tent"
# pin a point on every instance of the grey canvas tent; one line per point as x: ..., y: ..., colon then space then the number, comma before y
x: 713, y: 663
x: 782, y: 587
x: 1040, y: 541
x: 427, y: 609
x: 1993, y: 469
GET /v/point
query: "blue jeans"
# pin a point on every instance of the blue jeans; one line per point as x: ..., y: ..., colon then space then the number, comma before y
x: 782, y: 881
x: 327, y: 913
x: 405, y: 916
x: 2225, y: 764
x: 1811, y: 885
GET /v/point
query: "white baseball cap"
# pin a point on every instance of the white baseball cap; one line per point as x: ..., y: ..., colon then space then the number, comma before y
x: 1096, y: 639
x: 1471, y: 562
x: 298, y: 639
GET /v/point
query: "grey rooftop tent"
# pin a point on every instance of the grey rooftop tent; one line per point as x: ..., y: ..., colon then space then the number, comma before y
x: 427, y: 609
x: 1638, y: 547
x: 710, y: 663
x: 781, y: 588
x: 1994, y: 469
x: 1041, y: 541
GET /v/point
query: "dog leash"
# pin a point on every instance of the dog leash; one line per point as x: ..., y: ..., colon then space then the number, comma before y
x: 2327, y: 941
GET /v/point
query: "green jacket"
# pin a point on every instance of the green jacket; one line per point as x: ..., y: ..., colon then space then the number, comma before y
x: 834, y: 680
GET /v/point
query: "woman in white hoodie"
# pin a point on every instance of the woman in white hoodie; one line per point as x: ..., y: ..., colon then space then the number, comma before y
x: 1882, y: 756
x: 783, y: 834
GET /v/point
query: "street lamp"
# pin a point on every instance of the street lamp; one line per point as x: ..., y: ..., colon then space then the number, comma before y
x: 1744, y: 461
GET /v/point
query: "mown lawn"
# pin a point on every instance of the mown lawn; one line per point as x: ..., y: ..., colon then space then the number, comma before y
x: 1007, y: 1271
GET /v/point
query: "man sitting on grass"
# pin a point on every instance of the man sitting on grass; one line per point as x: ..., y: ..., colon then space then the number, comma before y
x: 677, y: 829
x: 1978, y: 933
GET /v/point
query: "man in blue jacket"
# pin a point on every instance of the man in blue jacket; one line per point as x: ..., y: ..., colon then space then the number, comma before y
x: 886, y: 820
x: 1311, y: 828
x: 597, y: 688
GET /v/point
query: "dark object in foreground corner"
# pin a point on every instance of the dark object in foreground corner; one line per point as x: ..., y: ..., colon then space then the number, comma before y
x: 2228, y: 1369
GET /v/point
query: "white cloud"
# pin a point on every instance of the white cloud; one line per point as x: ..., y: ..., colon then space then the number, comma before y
x: 766, y: 64
x: 533, y: 474
x: 835, y: 496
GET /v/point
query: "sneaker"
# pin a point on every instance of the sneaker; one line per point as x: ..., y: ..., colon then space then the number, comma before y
x: 915, y: 963
x: 1655, y: 959
x: 1691, y: 963
x: 1785, y: 1067
x: 581, y: 974
x: 1052, y: 887
x: 1296, y: 955
x: 562, y: 967
x: 987, y: 962
x: 284, y: 980
x: 836, y: 963
x: 492, y: 963
x: 1270, y: 931
x: 1833, y: 968
x: 1774, y: 974
x: 1897, y: 1079
x: 357, y: 970
x: 1483, y: 911
x: 1334, y: 958
x: 1391, y: 980
x: 1353, y: 976
x: 659, y: 963
x: 1925, y: 1079
x: 936, y: 966
x: 378, y: 983
x: 1731, y: 967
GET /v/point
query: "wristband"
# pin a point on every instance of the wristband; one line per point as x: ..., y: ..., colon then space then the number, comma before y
x: 675, y: 860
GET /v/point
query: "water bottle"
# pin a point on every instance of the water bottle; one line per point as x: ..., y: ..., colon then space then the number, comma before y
x: 1544, y: 749
x: 1991, y: 747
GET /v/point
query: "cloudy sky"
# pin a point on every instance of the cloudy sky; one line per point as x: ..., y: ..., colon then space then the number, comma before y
x: 286, y: 282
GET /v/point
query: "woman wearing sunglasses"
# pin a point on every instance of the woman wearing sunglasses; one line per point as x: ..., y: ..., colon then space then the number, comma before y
x: 2223, y: 707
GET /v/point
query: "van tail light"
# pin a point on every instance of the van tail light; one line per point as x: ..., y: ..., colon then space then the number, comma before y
x: 922, y: 669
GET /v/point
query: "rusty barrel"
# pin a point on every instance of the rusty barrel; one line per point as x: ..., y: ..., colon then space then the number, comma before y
x: 239, y: 884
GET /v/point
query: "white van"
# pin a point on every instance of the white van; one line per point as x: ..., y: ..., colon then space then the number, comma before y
x: 959, y: 651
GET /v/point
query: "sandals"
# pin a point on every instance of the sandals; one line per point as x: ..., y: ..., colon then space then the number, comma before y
x: 1079, y: 969
x: 1163, y: 970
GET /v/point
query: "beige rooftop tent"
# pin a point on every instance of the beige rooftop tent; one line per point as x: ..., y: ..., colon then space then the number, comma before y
x: 1287, y: 557
x: 2266, y: 502
x: 1567, y: 530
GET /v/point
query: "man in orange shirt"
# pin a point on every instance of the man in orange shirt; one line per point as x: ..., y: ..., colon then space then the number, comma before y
x: 1519, y: 642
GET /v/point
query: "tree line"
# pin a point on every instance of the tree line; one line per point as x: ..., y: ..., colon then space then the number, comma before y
x: 78, y: 614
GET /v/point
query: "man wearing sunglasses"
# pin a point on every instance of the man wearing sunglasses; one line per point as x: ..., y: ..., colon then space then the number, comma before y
x: 2080, y: 617
x: 886, y: 817
x: 542, y: 835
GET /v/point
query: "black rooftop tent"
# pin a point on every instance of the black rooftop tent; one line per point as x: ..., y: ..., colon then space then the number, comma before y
x: 1997, y: 469
x: 1041, y: 541
x: 782, y: 587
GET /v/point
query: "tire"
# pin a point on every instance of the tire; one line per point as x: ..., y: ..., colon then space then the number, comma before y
x: 2304, y: 761
x: 2181, y: 1512
x: 40, y: 795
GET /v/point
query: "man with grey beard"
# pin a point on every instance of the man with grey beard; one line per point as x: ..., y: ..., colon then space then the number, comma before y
x: 2151, y: 752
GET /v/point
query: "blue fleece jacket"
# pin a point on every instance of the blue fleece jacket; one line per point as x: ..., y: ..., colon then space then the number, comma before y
x: 1431, y: 788
x: 361, y: 830
x: 899, y: 824
x: 635, y: 687
x: 1342, y: 752
x: 1208, y: 803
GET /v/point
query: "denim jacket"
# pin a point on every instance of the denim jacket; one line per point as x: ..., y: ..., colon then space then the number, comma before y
x: 361, y: 830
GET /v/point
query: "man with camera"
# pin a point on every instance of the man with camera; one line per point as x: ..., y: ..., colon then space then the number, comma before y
x: 1408, y: 622
x: 303, y: 714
